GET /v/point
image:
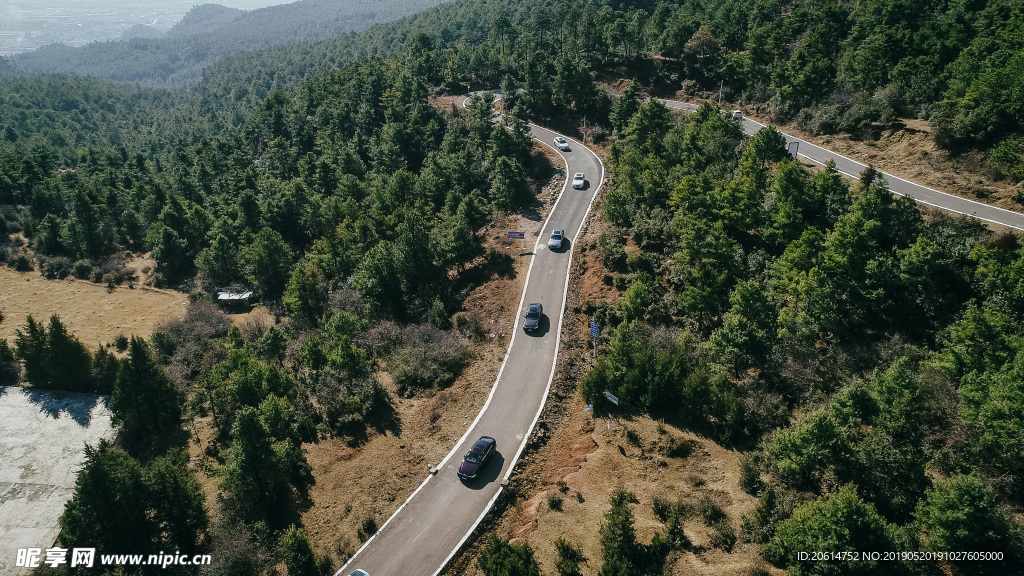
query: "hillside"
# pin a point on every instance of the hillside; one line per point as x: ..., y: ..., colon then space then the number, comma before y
x: 207, y: 34
x: 205, y: 19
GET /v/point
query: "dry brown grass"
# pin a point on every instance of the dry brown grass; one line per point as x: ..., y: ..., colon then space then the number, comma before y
x: 89, y: 311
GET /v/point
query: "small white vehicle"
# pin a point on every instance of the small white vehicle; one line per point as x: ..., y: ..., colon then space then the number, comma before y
x: 579, y: 181
x: 737, y: 115
x: 562, y: 143
x: 555, y: 242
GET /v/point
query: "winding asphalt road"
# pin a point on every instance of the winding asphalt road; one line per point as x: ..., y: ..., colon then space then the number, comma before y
x: 898, y: 185
x: 430, y: 527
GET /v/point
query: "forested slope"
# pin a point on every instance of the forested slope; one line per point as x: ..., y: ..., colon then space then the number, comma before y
x: 866, y: 359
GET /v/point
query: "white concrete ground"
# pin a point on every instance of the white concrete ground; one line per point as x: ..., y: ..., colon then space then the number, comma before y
x: 42, y: 439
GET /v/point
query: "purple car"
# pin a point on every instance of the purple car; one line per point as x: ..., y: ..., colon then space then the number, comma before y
x: 477, y: 457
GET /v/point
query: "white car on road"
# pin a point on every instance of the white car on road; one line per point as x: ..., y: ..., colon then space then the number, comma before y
x: 562, y: 143
x: 555, y: 242
x: 579, y: 181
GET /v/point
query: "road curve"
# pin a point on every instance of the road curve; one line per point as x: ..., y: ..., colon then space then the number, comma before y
x: 898, y: 185
x: 422, y: 536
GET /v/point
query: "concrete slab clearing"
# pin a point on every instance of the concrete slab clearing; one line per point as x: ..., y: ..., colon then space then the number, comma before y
x: 42, y: 438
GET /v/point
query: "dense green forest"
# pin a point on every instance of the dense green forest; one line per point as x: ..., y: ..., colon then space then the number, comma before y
x: 867, y: 360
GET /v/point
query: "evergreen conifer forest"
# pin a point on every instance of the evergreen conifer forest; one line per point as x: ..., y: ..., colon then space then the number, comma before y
x: 866, y: 359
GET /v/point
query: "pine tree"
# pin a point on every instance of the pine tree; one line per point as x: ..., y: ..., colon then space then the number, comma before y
x: 145, y: 403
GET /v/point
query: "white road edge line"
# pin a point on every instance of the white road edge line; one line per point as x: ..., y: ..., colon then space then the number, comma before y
x: 494, y: 387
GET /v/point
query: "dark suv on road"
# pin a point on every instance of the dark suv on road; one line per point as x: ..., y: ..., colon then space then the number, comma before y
x: 477, y: 456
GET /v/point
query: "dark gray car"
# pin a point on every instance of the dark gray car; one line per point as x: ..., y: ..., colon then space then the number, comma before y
x: 533, y: 313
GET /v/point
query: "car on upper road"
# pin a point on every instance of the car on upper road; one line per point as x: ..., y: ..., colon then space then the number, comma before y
x: 477, y: 456
x: 533, y: 313
x: 555, y: 242
x: 562, y: 143
x: 579, y: 181
x: 737, y: 115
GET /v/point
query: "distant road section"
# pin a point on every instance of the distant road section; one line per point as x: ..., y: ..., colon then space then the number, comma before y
x: 429, y: 528
x: 898, y: 185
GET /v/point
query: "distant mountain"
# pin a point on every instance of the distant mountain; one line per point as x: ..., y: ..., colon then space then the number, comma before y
x: 204, y: 20
x: 210, y: 32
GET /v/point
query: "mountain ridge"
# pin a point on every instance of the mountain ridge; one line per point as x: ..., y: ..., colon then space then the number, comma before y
x: 178, y: 58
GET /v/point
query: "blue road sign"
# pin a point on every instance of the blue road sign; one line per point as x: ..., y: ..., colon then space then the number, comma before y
x: 516, y: 234
x: 593, y: 330
x: 612, y: 398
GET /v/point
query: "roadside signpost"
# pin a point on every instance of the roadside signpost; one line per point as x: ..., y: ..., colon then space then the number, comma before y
x: 594, y: 336
x: 512, y: 234
x: 612, y: 398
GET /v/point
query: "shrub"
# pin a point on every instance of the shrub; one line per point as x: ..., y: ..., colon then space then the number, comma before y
x: 722, y: 535
x: 632, y: 436
x: 611, y: 249
x: 709, y: 510
x: 367, y: 528
x: 427, y: 357
x: 499, y: 558
x: 55, y: 268
x: 81, y: 269
x: 750, y: 474
x: 185, y: 344
x: 22, y: 263
x: 661, y: 506
x: 1008, y: 158
x: 555, y: 502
